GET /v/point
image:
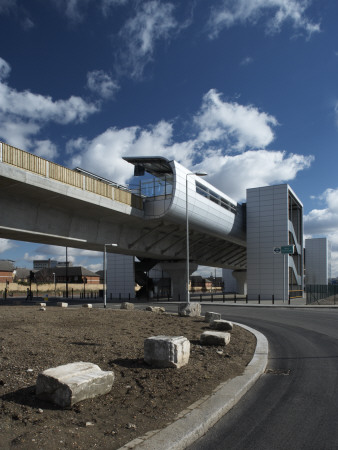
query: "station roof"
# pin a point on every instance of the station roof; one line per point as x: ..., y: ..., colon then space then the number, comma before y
x: 155, y: 165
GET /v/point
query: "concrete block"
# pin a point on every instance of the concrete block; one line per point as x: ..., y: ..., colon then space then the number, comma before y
x: 126, y: 305
x: 62, y: 304
x: 157, y: 309
x: 221, y: 325
x: 215, y: 338
x: 189, y: 309
x: 87, y: 305
x: 211, y: 316
x: 71, y: 383
x: 41, y: 304
x: 42, y: 308
x: 167, y: 351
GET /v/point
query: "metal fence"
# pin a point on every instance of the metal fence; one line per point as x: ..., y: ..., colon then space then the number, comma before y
x: 316, y: 292
x: 35, y: 164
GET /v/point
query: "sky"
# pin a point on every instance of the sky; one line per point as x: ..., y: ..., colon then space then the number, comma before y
x: 246, y: 90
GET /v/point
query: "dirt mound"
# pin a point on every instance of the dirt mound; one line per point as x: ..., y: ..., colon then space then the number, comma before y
x: 142, y: 398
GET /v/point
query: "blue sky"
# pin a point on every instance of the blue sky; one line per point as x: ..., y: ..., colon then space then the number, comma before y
x: 246, y: 89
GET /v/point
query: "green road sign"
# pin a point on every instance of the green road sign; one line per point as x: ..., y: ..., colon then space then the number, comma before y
x: 288, y: 249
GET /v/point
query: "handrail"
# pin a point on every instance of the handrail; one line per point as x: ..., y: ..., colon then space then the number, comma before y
x: 35, y: 164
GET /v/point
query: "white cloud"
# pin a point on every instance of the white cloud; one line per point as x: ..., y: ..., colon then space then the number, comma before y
x: 23, y: 113
x: 222, y: 130
x: 277, y: 12
x: 5, y: 244
x: 153, y: 21
x: 324, y: 223
x: 102, y: 84
x: 5, y: 69
x: 45, y: 149
x: 233, y: 174
x: 241, y: 126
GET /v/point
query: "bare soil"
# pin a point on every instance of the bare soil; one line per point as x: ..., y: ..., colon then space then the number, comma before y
x: 142, y: 398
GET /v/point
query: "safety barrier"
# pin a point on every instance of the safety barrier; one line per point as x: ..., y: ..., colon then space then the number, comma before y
x: 32, y: 163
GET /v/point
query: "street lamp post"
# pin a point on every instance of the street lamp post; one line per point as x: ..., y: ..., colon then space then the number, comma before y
x: 200, y: 174
x: 105, y: 273
x: 54, y: 283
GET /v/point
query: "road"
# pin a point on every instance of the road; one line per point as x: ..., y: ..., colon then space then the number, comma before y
x: 295, y: 404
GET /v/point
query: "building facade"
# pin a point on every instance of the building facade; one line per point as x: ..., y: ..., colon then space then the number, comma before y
x: 274, y: 220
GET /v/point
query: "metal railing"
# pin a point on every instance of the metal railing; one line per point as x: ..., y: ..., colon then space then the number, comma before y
x: 316, y: 292
x: 35, y: 164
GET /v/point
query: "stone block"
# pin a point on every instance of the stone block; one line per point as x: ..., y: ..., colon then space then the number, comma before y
x: 62, y: 304
x: 42, y: 308
x: 221, y: 325
x: 211, y: 316
x: 126, y: 305
x: 87, y: 305
x: 167, y: 351
x: 41, y: 304
x: 189, y: 309
x: 215, y: 338
x: 71, y: 383
x: 157, y: 309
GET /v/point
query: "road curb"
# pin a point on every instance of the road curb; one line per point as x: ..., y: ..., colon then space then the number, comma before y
x: 198, y: 418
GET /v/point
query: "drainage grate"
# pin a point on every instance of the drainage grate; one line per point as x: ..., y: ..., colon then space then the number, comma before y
x: 278, y: 371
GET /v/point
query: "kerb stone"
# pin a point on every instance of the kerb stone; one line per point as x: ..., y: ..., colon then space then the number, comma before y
x: 189, y: 309
x: 215, y: 338
x: 221, y: 325
x: 126, y: 305
x: 167, y: 351
x: 62, y: 304
x: 71, y: 383
x: 211, y: 316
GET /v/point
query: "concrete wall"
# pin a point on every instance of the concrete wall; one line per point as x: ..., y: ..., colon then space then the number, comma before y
x: 120, y: 276
x: 317, y: 261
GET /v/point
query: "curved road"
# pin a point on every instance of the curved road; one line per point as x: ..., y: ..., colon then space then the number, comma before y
x: 295, y: 404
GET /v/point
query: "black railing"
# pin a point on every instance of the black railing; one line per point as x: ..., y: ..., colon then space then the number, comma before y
x: 316, y: 292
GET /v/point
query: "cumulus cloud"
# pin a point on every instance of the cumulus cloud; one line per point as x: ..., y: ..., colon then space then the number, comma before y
x: 102, y: 84
x: 234, y: 174
x: 228, y: 143
x: 276, y: 13
x: 5, y: 69
x: 23, y: 113
x: 45, y: 149
x: 153, y: 21
x: 5, y: 244
x: 241, y: 126
x: 323, y: 223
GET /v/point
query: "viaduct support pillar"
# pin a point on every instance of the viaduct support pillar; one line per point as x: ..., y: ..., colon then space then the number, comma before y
x: 178, y: 275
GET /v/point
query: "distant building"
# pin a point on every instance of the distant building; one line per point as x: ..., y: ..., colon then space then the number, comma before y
x: 39, y: 264
x: 317, y: 261
x: 21, y: 274
x: 6, y: 271
x: 75, y: 274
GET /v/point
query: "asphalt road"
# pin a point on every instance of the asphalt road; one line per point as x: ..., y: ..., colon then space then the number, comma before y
x: 295, y: 404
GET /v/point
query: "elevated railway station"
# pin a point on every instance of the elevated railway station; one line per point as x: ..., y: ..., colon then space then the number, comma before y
x: 44, y: 202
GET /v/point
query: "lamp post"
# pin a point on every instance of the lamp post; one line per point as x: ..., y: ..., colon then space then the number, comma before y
x: 54, y: 284
x: 105, y: 273
x: 199, y: 174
